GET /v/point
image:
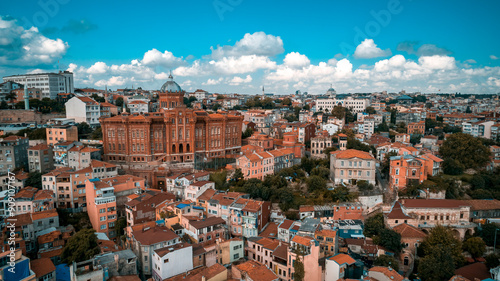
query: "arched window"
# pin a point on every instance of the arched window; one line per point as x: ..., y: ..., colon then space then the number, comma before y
x: 173, y: 148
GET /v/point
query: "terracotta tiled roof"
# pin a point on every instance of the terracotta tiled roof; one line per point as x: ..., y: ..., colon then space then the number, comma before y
x: 286, y: 224
x: 397, y: 212
x: 270, y: 231
x: 42, y: 267
x: 476, y: 270
x: 409, y: 231
x: 433, y: 203
x: 256, y: 271
x: 154, y: 235
x: 342, y: 259
x: 483, y: 204
x: 198, y: 224
x: 306, y: 209
x: 326, y: 233
x: 390, y: 273
x: 41, y: 146
x: 44, y: 214
x: 352, y: 153
x: 302, y: 240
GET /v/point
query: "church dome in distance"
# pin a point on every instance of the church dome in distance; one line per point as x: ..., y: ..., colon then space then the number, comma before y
x: 331, y: 91
x: 170, y: 85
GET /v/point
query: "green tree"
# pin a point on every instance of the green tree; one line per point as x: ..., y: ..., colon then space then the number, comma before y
x: 219, y: 178
x: 237, y: 175
x: 120, y: 225
x: 437, y: 265
x: 475, y: 246
x: 96, y: 134
x: 286, y: 102
x: 466, y: 149
x: 34, y: 179
x: 492, y: 260
x: 364, y: 185
x: 341, y: 194
x: 298, y: 266
x: 97, y: 98
x: 83, y: 130
x: 389, y: 239
x: 119, y: 102
x: 487, y: 233
x: 4, y: 105
x: 443, y: 237
x: 80, y: 247
x: 385, y: 260
x: 374, y: 225
x: 370, y: 110
x: 316, y: 183
x: 307, y: 164
x: 321, y: 172
x: 452, y: 167
x: 247, y: 133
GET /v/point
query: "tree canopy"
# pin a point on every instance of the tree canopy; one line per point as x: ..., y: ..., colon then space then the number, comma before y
x: 80, y: 247
x: 466, y: 150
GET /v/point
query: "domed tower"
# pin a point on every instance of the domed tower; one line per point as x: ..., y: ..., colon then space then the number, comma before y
x: 171, y: 95
x: 331, y: 92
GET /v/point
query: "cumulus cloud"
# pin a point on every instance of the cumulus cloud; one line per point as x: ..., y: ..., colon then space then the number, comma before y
x: 238, y: 80
x: 493, y: 57
x: 166, y: 59
x: 27, y: 47
x: 213, y: 81
x: 437, y: 62
x: 368, y: 50
x: 295, y: 59
x: 243, y: 64
x: 410, y: 47
x: 258, y: 43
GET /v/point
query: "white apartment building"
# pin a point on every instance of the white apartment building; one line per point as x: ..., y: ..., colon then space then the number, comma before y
x: 138, y: 106
x: 478, y: 129
x: 83, y: 109
x: 51, y: 84
x: 356, y: 105
x: 367, y: 126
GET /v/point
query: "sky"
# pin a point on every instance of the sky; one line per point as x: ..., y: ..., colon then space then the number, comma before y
x: 240, y: 46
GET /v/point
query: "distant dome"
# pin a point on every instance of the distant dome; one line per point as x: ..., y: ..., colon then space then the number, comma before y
x: 170, y: 85
x: 331, y: 91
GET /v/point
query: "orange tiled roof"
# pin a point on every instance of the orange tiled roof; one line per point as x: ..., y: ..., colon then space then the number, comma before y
x: 342, y: 258
x: 352, y: 153
x: 303, y: 240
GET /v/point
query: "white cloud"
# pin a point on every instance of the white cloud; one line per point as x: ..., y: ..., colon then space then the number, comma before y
x: 98, y: 68
x: 296, y: 60
x: 368, y: 50
x: 437, y: 62
x: 113, y: 81
x: 156, y: 58
x: 470, y: 61
x: 238, y: 80
x: 258, y: 43
x: 27, y: 47
x: 213, y: 81
x: 493, y: 57
x: 243, y: 64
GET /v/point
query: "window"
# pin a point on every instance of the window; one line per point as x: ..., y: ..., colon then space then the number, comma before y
x: 236, y: 256
x: 165, y: 261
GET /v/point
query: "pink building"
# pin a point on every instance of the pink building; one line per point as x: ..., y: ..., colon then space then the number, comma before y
x: 101, y: 206
x: 310, y: 250
x: 256, y: 165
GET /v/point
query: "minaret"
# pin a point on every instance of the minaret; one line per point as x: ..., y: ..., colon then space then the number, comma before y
x: 263, y: 95
x: 26, y: 98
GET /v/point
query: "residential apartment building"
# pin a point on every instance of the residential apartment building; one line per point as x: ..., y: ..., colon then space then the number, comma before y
x: 144, y: 240
x: 50, y: 83
x: 61, y: 133
x: 319, y: 143
x: 349, y: 166
x: 481, y: 129
x: 204, y: 229
x: 138, y: 106
x: 30, y: 199
x: 80, y: 156
x: 83, y: 109
x: 101, y: 206
x: 412, y: 170
x: 416, y: 128
x: 248, y: 217
x: 143, y: 207
x: 309, y: 255
x: 40, y: 158
x: 13, y: 153
x: 172, y: 260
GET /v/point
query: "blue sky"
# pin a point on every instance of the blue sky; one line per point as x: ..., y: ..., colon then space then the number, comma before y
x: 460, y: 39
